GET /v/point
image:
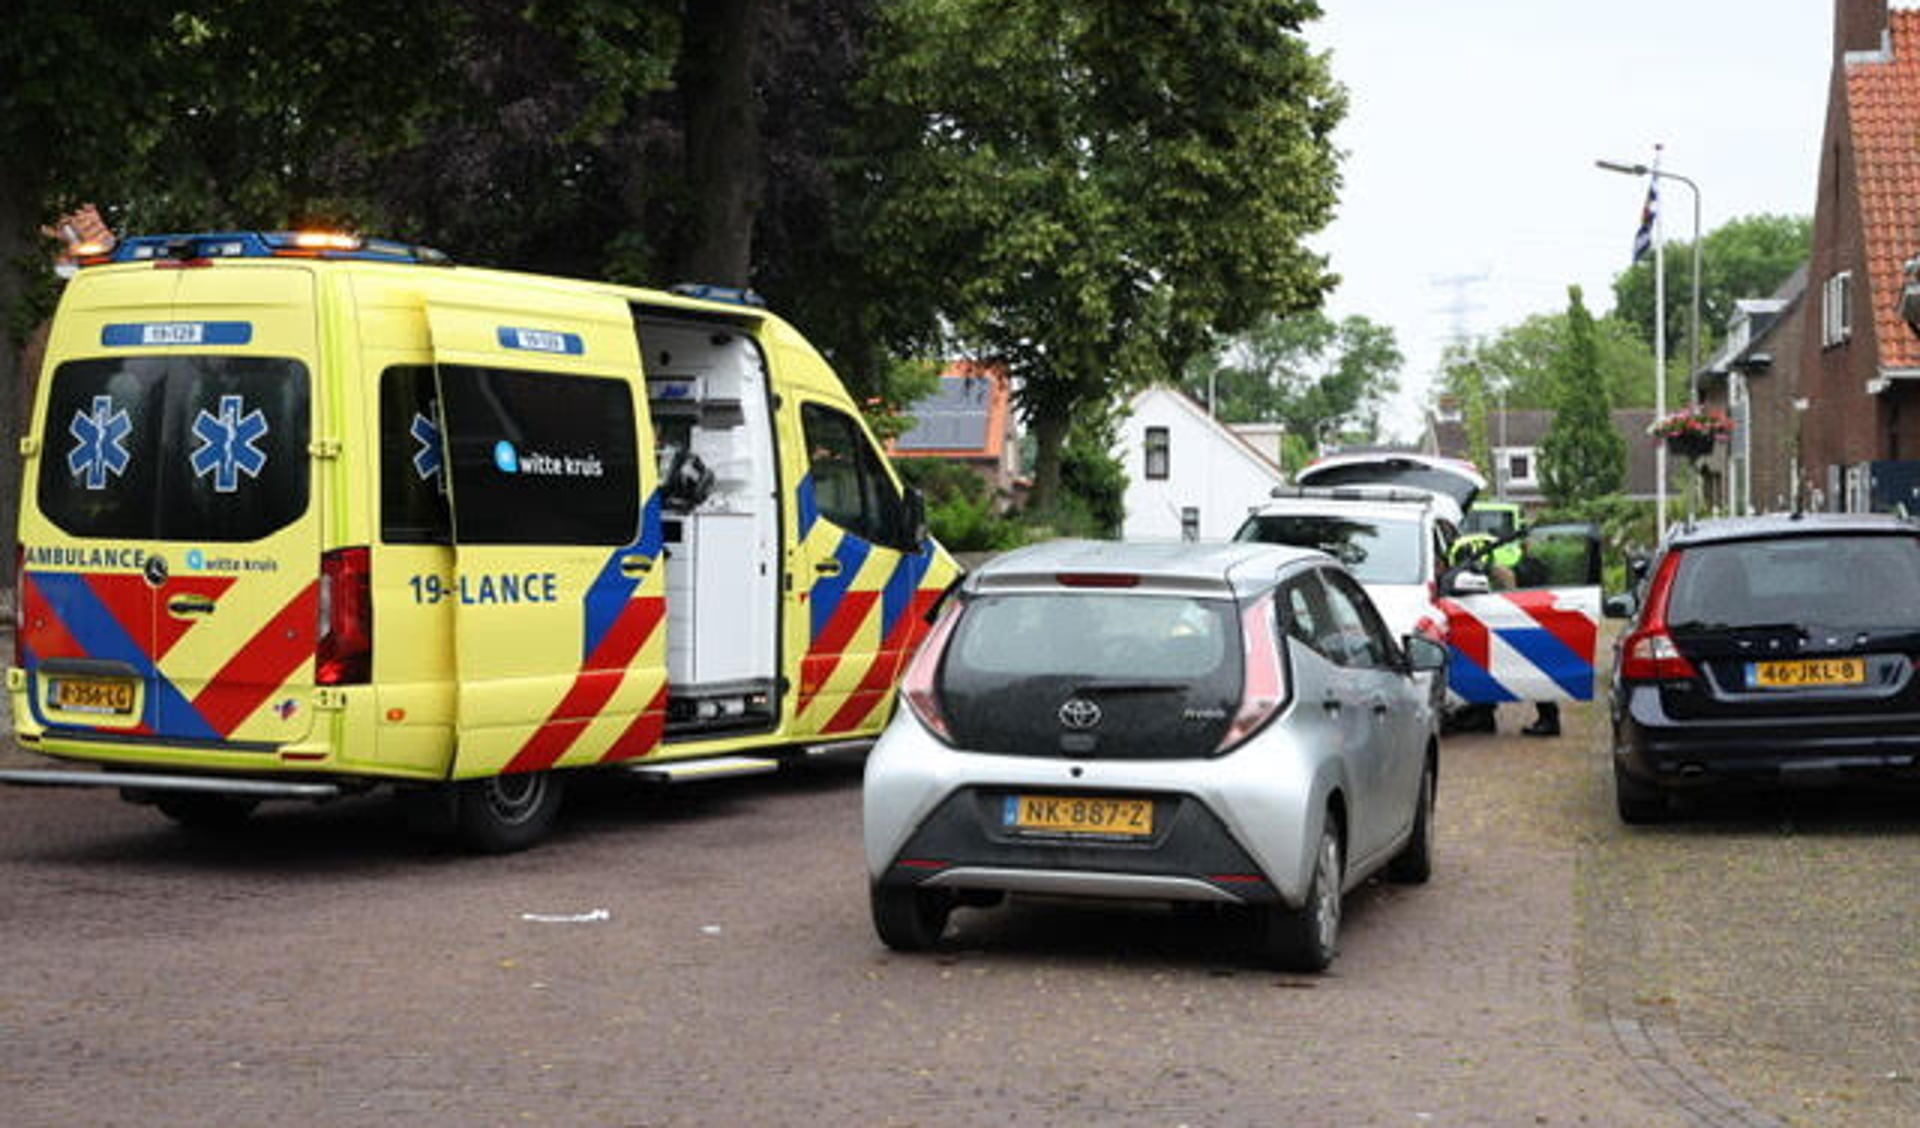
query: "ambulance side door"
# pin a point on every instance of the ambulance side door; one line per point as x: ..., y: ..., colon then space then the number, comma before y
x: 1536, y: 640
x: 860, y: 575
x: 558, y: 605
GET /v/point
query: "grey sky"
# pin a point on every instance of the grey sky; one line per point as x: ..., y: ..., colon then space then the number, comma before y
x: 1474, y: 125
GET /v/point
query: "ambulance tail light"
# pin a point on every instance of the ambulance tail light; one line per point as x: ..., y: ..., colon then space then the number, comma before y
x: 344, y: 652
x: 19, y: 615
x: 920, y: 685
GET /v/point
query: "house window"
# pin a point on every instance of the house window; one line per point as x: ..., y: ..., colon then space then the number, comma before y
x: 1157, y: 452
x: 1516, y: 466
x: 1190, y: 523
x: 1836, y: 309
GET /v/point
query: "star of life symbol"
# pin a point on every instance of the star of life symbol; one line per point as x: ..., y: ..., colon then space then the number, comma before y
x: 227, y: 444
x: 426, y: 460
x: 101, y: 446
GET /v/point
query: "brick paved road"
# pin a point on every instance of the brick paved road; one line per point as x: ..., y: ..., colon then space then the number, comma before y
x: 322, y: 967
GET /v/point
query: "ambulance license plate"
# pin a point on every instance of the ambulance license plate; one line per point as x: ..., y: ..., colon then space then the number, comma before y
x: 1079, y: 814
x: 1807, y: 672
x: 93, y: 695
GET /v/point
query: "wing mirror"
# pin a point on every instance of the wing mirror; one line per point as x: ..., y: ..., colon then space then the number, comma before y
x: 1424, y: 654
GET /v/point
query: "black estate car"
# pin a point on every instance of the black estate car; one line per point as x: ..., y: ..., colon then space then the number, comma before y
x: 1776, y: 649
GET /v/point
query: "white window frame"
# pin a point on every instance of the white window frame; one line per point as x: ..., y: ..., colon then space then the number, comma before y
x: 1836, y: 310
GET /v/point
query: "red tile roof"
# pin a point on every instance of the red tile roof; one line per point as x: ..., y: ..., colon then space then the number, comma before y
x: 1883, y: 111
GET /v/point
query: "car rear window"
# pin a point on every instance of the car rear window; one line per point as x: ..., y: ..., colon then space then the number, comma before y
x: 180, y: 447
x: 1164, y: 672
x: 1840, y: 581
x: 1375, y: 550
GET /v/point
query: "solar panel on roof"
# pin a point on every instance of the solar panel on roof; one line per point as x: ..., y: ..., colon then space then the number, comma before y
x: 954, y: 417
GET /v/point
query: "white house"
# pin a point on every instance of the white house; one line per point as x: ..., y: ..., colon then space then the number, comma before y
x: 1189, y: 476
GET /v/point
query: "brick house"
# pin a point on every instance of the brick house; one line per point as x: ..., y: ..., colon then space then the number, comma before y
x: 1755, y: 378
x: 1860, y: 363
x: 1514, y: 438
x: 967, y: 419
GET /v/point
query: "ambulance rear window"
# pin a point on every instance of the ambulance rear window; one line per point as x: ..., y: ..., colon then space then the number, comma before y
x: 179, y: 447
x: 413, y: 484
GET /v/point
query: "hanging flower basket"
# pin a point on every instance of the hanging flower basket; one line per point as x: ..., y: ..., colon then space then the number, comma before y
x: 1689, y: 446
x: 1691, y: 431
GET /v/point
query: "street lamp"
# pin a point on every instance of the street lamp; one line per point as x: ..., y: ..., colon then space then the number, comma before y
x: 1693, y: 322
x: 1660, y: 324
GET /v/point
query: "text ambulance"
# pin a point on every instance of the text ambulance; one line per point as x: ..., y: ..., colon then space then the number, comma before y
x: 306, y: 515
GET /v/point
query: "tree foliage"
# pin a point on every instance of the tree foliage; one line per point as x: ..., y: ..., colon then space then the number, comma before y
x: 1067, y: 184
x: 1324, y: 380
x: 1745, y: 258
x: 1516, y: 365
x: 1582, y: 456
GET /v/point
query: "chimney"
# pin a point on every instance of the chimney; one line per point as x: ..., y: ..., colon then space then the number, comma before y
x: 1858, y: 25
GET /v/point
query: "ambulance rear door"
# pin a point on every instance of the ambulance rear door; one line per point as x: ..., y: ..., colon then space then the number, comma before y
x: 558, y: 605
x: 171, y: 538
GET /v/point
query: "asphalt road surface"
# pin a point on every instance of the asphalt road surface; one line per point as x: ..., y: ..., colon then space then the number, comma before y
x: 703, y: 956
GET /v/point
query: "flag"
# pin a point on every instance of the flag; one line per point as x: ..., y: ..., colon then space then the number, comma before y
x: 1643, y: 238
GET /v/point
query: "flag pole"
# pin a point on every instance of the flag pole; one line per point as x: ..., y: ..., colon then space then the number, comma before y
x: 1659, y: 359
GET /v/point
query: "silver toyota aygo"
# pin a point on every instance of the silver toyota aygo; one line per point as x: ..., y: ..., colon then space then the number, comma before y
x: 1224, y: 724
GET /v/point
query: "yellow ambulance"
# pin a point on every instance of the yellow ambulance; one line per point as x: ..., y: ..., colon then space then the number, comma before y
x: 303, y: 515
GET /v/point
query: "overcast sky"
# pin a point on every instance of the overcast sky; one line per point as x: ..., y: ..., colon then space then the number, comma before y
x: 1474, y: 125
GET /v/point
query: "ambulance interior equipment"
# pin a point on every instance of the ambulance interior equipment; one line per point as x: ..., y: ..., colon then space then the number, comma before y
x: 707, y: 388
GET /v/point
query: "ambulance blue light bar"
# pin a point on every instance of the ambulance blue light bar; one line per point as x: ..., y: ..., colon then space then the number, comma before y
x: 204, y: 247
x: 732, y: 295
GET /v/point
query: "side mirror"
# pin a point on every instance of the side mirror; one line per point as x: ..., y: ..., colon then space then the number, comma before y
x: 1620, y: 606
x: 1637, y: 567
x: 1424, y: 654
x: 916, y: 519
x: 1468, y: 582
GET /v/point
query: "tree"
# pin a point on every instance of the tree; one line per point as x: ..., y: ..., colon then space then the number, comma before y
x: 1091, y: 190
x: 1582, y: 456
x: 1517, y: 363
x: 1324, y: 380
x: 1744, y: 258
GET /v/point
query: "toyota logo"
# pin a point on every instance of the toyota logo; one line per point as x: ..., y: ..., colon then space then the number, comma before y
x: 1079, y: 714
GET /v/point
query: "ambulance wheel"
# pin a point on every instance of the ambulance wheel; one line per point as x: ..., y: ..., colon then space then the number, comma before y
x: 909, y: 920
x: 206, y: 812
x: 502, y: 814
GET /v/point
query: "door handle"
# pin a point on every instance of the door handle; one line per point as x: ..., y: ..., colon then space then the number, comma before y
x: 828, y: 567
x: 190, y: 605
x: 636, y: 565
x: 1331, y: 705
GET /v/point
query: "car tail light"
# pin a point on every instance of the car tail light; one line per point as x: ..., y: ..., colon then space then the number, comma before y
x: 919, y: 686
x: 1649, y: 653
x: 1264, y: 684
x: 344, y: 653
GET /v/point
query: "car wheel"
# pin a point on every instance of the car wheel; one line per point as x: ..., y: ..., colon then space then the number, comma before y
x: 502, y: 814
x: 1305, y: 939
x: 206, y: 812
x: 1639, y: 803
x: 1413, y: 865
x: 908, y: 919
